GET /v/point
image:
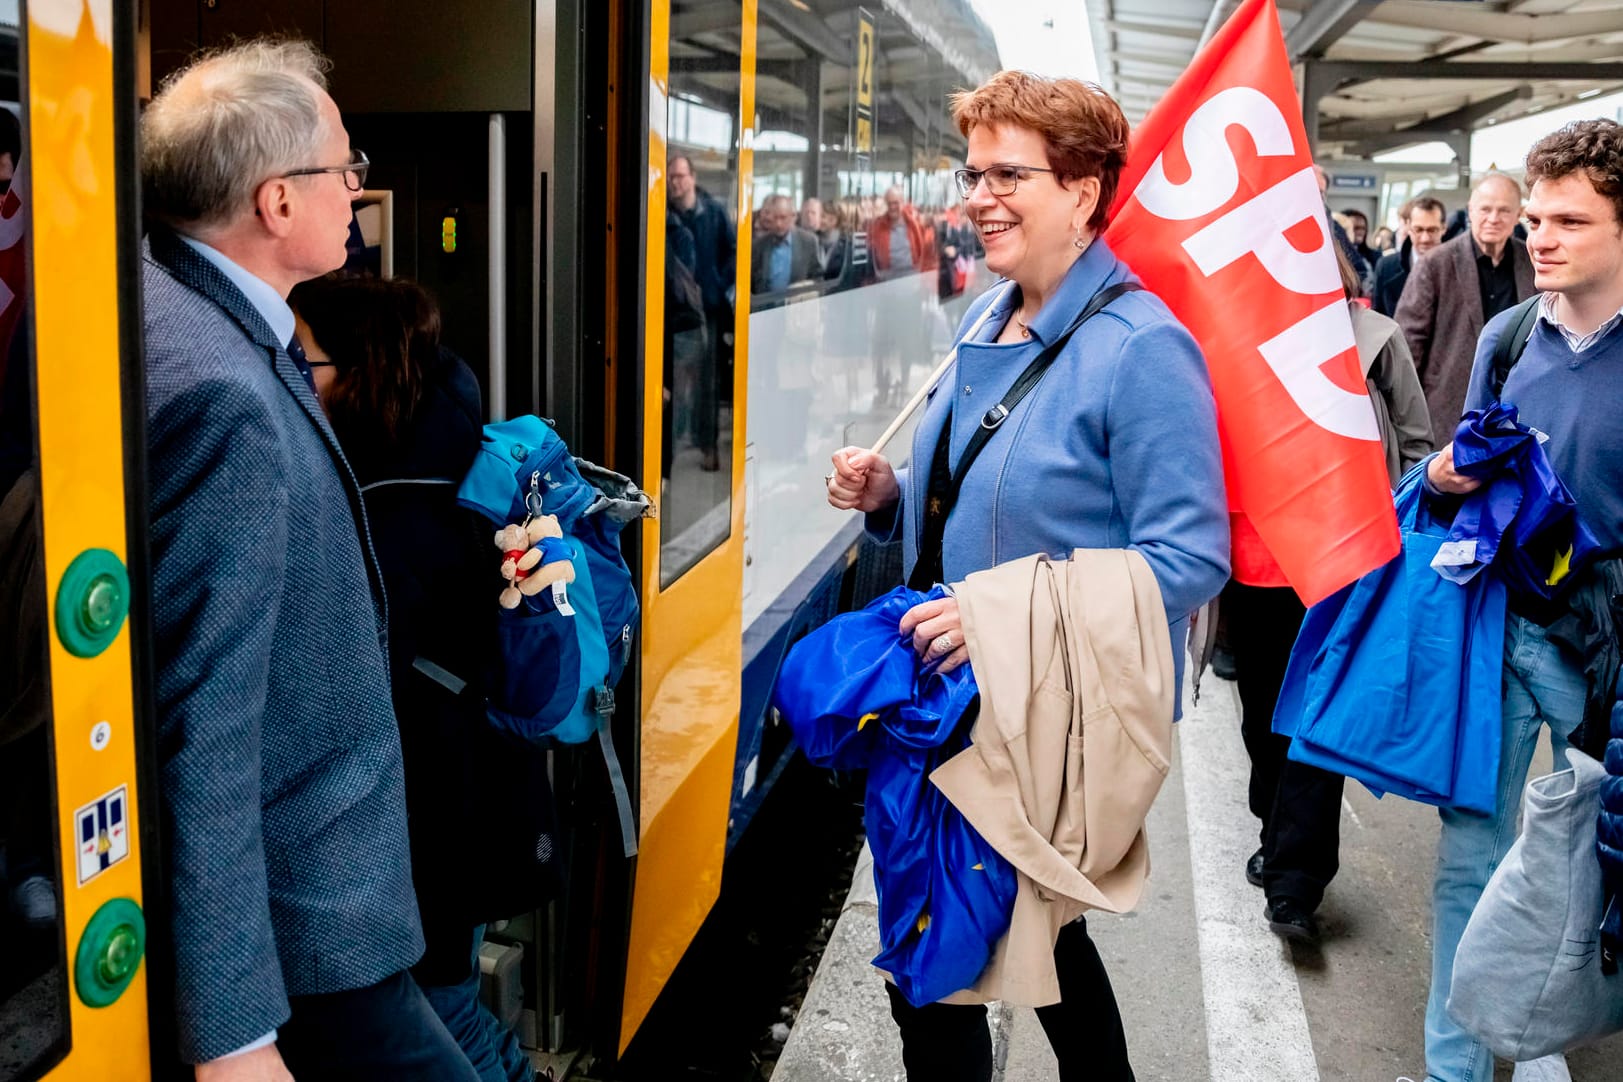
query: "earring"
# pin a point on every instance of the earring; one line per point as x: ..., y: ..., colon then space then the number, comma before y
x: 1077, y: 241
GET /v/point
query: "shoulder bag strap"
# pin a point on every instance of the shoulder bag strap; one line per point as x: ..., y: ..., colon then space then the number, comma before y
x: 942, y: 503
x: 1512, y: 341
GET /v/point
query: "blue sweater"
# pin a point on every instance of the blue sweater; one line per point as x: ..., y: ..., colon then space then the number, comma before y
x: 1577, y: 400
x: 1116, y: 448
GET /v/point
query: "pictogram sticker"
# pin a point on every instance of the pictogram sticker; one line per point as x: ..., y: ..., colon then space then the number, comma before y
x: 102, y: 831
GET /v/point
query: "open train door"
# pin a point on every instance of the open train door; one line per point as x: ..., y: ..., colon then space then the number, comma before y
x: 77, y: 816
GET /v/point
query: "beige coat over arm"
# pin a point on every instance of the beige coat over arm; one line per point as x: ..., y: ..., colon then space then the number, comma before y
x: 1074, y: 662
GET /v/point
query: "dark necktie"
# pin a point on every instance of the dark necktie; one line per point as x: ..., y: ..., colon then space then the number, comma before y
x: 302, y: 363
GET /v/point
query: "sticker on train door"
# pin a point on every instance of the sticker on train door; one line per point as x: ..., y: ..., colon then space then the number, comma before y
x: 102, y: 831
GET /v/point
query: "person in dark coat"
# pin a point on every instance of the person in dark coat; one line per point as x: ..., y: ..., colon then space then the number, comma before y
x: 1456, y: 290
x: 409, y: 417
x: 1423, y: 225
x: 784, y: 253
x: 715, y: 255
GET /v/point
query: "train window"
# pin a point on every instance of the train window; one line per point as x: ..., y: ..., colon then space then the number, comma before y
x: 702, y: 132
x: 861, y: 263
x: 33, y: 977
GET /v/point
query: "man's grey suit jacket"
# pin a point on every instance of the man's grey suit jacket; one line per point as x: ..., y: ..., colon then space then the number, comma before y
x: 283, y: 793
x: 1441, y: 316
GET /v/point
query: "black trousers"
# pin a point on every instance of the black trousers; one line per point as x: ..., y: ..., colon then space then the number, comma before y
x: 383, y: 1033
x: 945, y: 1042
x: 1299, y: 806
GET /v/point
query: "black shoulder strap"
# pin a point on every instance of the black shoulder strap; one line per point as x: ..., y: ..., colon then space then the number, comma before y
x: 1512, y: 341
x: 941, y: 503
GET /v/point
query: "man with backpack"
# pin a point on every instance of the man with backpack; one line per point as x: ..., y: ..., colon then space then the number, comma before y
x: 1557, y: 357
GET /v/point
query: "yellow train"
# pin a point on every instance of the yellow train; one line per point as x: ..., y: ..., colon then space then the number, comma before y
x: 521, y: 151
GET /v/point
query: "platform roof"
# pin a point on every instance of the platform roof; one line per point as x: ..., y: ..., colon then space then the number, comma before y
x: 1384, y: 75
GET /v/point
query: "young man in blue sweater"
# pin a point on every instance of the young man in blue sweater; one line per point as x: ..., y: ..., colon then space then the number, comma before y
x: 1569, y: 385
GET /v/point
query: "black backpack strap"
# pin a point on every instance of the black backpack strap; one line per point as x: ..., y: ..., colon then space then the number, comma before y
x: 942, y: 502
x: 1512, y: 341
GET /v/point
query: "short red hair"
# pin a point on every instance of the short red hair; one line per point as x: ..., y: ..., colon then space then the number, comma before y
x: 1082, y: 127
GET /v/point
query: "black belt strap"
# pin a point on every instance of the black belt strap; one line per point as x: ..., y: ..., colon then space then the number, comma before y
x: 944, y: 485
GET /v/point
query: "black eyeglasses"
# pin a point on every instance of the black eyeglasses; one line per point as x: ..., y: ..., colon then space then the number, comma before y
x: 354, y: 171
x: 1001, y: 179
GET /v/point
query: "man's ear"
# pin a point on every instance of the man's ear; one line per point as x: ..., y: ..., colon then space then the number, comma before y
x: 273, y: 206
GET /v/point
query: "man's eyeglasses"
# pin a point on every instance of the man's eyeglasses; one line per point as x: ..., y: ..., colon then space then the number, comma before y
x: 354, y: 171
x: 1001, y: 179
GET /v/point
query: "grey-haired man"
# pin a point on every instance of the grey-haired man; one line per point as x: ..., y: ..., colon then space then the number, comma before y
x: 283, y: 794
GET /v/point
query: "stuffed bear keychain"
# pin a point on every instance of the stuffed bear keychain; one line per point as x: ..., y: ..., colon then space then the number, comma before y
x: 534, y: 556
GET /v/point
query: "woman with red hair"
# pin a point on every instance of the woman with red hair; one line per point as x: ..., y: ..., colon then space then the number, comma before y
x: 1114, y: 447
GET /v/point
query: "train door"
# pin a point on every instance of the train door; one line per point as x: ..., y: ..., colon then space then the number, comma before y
x: 77, y: 822
x: 700, y: 86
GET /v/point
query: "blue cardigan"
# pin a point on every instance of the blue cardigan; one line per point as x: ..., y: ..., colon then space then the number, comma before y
x: 1116, y: 448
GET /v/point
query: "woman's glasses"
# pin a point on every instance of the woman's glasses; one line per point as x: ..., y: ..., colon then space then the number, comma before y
x: 1001, y: 179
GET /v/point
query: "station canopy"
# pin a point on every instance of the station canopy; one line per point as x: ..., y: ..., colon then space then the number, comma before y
x: 1379, y: 76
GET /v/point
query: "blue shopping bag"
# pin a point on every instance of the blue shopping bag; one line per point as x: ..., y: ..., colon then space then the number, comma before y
x: 1395, y: 679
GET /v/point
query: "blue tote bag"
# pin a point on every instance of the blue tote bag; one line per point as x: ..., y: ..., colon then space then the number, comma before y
x: 1395, y: 679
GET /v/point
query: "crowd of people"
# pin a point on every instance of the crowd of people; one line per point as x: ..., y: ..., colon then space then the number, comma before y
x: 1125, y: 458
x: 832, y: 244
x: 334, y: 838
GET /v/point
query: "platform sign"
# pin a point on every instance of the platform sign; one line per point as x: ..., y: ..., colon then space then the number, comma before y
x: 862, y: 116
x: 1354, y: 182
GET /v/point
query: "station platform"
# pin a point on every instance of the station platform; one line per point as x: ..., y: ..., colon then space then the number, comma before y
x: 1207, y: 992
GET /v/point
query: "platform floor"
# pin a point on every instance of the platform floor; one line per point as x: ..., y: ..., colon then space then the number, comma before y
x: 1207, y: 991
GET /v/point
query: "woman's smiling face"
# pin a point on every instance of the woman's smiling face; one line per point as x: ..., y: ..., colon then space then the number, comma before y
x: 1029, y: 232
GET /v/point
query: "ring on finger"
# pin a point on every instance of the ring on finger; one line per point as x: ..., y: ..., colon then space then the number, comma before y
x: 828, y: 478
x: 942, y: 643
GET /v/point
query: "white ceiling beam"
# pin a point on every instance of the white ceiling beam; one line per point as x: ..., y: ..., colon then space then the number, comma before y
x: 1469, y: 20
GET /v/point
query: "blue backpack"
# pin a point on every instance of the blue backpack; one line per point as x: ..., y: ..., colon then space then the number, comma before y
x: 563, y: 650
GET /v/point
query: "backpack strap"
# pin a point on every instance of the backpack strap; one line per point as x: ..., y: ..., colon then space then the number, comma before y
x: 617, y: 779
x: 1513, y: 341
x: 942, y: 503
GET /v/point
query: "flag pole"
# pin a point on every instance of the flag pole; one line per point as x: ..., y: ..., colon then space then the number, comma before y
x: 912, y: 404
x: 935, y: 377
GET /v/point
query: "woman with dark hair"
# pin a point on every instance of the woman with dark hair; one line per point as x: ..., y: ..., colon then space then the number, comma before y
x: 408, y: 415
x: 1115, y: 448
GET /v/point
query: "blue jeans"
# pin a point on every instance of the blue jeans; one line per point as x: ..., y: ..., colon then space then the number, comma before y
x: 491, y: 1047
x: 1541, y: 686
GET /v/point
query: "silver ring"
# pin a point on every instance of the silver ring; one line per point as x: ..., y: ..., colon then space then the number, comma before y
x: 943, y: 643
x: 828, y: 478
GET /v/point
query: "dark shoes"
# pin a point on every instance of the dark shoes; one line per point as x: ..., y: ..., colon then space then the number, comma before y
x: 1288, y: 920
x: 1253, y: 869
x: 710, y: 461
x: 1222, y: 663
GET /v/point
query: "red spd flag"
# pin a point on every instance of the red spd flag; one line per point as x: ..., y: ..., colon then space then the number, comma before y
x: 1220, y: 214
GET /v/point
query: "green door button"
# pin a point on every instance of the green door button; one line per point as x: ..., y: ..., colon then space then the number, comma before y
x: 91, y: 602
x: 110, y: 952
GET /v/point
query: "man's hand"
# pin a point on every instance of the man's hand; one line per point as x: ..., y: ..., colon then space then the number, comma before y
x: 1444, y: 478
x: 260, y: 1065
